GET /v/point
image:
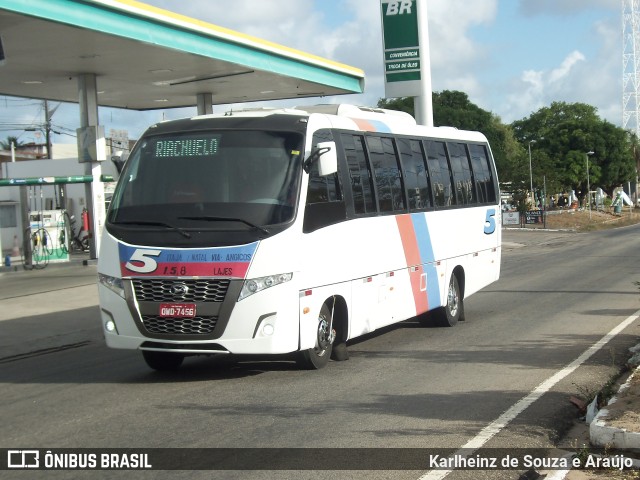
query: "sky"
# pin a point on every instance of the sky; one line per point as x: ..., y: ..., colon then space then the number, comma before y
x: 511, y: 57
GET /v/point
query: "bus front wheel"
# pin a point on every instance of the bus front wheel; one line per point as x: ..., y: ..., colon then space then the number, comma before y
x: 318, y: 356
x: 453, y: 311
x: 162, y: 361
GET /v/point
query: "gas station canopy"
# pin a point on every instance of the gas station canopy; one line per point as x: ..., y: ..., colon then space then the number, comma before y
x: 148, y: 58
x: 125, y: 54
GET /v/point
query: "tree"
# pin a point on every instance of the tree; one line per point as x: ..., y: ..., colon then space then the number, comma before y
x: 450, y: 108
x: 564, y: 133
x: 454, y: 109
x: 402, y: 104
x: 6, y: 144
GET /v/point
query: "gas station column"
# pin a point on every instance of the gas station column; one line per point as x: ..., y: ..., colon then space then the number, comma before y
x: 92, y: 151
x: 205, y: 103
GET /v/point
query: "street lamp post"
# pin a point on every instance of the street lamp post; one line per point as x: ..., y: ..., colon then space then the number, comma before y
x: 587, y: 155
x: 533, y: 201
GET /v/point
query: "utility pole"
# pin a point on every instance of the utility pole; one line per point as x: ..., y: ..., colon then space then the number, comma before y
x: 47, y: 128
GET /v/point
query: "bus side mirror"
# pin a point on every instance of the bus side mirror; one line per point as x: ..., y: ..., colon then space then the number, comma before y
x: 328, y: 161
x: 119, y: 161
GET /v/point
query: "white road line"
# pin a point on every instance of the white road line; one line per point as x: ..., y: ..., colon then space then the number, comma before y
x: 507, y: 417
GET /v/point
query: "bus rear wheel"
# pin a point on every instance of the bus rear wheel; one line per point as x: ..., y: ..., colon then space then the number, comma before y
x: 453, y: 311
x: 318, y: 356
x: 162, y: 361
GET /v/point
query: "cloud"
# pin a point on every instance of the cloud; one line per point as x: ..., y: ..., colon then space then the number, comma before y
x: 294, y: 23
x: 453, y: 52
x: 557, y: 75
x: 536, y: 89
x: 594, y: 79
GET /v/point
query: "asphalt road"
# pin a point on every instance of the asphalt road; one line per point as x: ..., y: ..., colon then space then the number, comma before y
x: 406, y: 386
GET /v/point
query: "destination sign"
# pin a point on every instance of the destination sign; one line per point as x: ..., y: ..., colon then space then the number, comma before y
x: 187, y: 147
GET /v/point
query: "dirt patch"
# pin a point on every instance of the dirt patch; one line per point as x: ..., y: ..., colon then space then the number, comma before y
x: 585, y: 221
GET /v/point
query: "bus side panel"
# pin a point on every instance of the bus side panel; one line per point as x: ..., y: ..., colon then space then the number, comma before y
x: 363, y: 251
x: 464, y: 238
x: 381, y: 300
x: 388, y: 259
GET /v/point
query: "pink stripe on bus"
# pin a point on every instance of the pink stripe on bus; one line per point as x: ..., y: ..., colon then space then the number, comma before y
x: 412, y: 255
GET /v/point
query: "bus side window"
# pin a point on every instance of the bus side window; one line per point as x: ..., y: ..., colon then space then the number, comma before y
x: 361, y: 178
x: 323, y: 189
x: 482, y: 173
x: 465, y: 190
x: 325, y: 204
x: 387, y: 174
x: 440, y: 175
x: 416, y: 177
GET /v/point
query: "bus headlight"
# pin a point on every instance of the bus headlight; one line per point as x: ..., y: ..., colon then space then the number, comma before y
x: 256, y: 285
x: 112, y: 283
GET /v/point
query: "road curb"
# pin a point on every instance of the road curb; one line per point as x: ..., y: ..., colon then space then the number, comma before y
x: 603, y: 435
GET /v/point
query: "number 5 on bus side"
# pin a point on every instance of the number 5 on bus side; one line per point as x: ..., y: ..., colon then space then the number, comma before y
x: 490, y: 222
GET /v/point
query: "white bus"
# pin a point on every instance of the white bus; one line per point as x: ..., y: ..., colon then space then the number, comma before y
x: 294, y: 230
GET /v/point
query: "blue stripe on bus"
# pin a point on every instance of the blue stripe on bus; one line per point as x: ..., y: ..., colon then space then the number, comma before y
x: 379, y: 126
x: 427, y: 258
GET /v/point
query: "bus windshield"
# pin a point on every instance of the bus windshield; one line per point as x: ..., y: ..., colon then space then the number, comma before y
x: 216, y: 180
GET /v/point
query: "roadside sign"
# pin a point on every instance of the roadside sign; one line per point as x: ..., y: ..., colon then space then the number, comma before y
x: 533, y: 217
x: 511, y: 218
x: 401, y: 40
x: 407, y: 61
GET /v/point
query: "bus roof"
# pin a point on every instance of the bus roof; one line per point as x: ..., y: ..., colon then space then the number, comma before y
x: 352, y: 117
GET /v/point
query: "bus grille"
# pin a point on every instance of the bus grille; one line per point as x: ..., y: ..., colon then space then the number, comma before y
x: 161, y: 290
x: 179, y: 326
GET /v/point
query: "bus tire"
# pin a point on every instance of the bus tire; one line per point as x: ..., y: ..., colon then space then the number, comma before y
x: 453, y: 311
x: 162, y: 361
x: 318, y: 356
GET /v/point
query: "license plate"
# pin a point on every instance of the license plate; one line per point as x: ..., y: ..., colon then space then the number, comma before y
x: 177, y: 310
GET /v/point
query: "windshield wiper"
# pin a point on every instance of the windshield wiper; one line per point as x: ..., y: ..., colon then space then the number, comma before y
x: 208, y: 218
x: 156, y: 224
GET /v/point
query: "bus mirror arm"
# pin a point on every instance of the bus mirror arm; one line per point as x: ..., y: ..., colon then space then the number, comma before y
x: 313, y: 157
x: 119, y: 161
x: 325, y: 152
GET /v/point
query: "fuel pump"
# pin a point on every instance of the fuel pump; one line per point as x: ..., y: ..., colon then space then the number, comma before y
x: 46, y: 229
